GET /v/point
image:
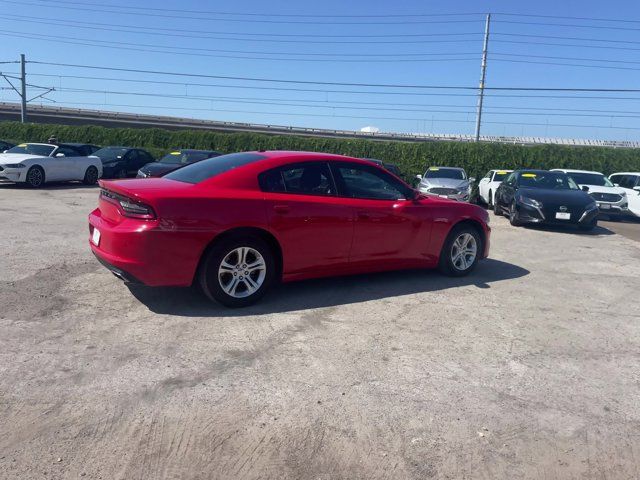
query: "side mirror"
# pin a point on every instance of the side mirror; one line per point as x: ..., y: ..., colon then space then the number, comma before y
x: 419, y: 177
x: 616, y: 184
x: 58, y: 155
x: 416, y: 195
x: 472, y: 180
x: 584, y: 188
x: 637, y: 189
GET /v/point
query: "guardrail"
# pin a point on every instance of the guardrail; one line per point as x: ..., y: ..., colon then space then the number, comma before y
x: 54, y: 114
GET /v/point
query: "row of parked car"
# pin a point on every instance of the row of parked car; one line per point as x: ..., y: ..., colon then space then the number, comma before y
x: 37, y: 163
x: 542, y: 196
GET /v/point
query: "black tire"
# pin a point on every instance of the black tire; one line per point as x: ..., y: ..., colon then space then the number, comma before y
x: 446, y: 263
x: 90, y: 176
x: 35, y: 177
x: 210, y: 279
x: 490, y: 201
x: 513, y: 215
x: 496, y: 209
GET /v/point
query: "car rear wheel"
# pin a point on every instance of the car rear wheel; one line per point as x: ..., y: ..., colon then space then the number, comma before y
x: 490, y: 200
x: 461, y: 251
x: 513, y: 215
x: 35, y: 177
x: 238, y: 272
x: 90, y: 176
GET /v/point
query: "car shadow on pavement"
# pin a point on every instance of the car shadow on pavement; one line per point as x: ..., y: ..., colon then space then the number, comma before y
x: 571, y: 229
x: 326, y: 292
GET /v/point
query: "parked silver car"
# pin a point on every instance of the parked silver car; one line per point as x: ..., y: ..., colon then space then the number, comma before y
x: 446, y: 182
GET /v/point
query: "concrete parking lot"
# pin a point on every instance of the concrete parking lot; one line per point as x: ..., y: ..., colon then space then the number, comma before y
x: 528, y: 369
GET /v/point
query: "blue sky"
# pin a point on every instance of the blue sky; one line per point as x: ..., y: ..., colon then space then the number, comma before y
x: 427, y: 47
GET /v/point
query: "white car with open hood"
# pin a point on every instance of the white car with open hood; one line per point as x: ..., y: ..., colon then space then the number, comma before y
x: 37, y: 163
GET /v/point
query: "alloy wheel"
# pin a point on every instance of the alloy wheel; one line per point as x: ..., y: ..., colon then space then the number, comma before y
x: 35, y: 177
x: 242, y: 272
x: 464, y: 251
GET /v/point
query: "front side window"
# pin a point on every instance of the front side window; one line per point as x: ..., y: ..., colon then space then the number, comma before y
x: 68, y: 151
x: 359, y: 181
x: 301, y: 179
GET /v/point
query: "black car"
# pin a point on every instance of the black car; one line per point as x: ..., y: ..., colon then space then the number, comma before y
x: 387, y: 166
x: 87, y: 149
x: 122, y: 162
x: 175, y: 160
x: 540, y: 196
x: 5, y: 146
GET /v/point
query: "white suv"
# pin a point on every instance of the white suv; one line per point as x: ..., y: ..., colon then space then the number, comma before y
x: 611, y: 200
x: 630, y: 183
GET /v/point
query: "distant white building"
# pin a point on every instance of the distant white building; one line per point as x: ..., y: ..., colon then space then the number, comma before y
x: 370, y: 130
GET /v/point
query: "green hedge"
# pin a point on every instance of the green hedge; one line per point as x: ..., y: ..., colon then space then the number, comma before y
x: 411, y: 157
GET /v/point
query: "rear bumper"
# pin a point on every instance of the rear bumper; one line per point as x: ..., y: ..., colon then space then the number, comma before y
x: 140, y: 251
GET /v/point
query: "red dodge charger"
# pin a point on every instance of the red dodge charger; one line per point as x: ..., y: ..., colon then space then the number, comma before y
x: 237, y: 223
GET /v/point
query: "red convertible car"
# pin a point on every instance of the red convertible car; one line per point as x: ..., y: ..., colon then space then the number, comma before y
x: 237, y: 223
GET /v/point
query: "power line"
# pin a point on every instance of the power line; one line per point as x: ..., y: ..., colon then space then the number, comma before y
x: 568, y: 17
x: 566, y: 64
x: 323, y: 91
x: 166, y: 33
x: 578, y: 59
x: 344, y: 84
x: 175, y: 15
x: 356, y: 117
x: 572, y: 25
x: 557, y: 37
x: 322, y: 104
x: 551, y: 44
x: 208, y: 12
x: 119, y: 46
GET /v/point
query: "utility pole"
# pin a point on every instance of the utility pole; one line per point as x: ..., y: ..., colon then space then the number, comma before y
x: 483, y: 75
x: 23, y: 94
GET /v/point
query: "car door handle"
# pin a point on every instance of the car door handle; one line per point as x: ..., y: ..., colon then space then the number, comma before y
x: 281, y: 208
x: 364, y: 216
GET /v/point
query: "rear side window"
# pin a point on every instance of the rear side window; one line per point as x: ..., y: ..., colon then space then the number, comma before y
x: 206, y: 169
x: 302, y: 179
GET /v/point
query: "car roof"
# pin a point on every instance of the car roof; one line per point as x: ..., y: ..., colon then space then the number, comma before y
x: 449, y: 168
x: 625, y: 173
x: 569, y: 170
x: 78, y: 144
x: 194, y: 150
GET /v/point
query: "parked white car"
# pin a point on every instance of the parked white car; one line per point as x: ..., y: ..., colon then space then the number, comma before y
x: 611, y: 200
x: 630, y: 183
x: 37, y: 163
x: 489, y: 184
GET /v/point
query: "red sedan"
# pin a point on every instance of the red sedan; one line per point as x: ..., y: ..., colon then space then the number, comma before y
x: 237, y: 223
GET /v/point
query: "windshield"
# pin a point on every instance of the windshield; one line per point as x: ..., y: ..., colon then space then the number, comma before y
x: 110, y: 153
x: 453, y: 173
x: 33, y: 149
x: 184, y: 158
x: 596, y: 179
x: 500, y: 175
x: 549, y: 180
x: 206, y: 169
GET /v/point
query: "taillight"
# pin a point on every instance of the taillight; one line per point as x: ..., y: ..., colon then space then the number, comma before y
x: 129, y: 207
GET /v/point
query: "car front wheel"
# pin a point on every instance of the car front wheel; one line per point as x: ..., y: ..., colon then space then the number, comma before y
x: 513, y: 215
x: 238, y: 272
x: 35, y: 177
x: 461, y: 251
x: 90, y: 176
